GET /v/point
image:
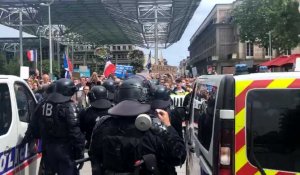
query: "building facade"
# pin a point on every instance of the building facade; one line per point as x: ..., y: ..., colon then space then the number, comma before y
x: 119, y: 53
x: 215, y: 45
x: 84, y: 56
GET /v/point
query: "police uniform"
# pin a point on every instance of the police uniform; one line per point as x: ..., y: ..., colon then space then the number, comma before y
x: 99, y: 106
x: 117, y: 145
x: 62, y: 139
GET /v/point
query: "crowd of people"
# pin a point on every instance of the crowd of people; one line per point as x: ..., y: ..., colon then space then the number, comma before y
x: 106, y: 115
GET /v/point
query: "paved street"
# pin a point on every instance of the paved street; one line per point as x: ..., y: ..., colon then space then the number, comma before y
x: 86, y: 170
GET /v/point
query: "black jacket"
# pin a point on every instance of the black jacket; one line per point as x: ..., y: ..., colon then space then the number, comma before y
x: 168, y: 147
x: 59, y: 124
x: 88, y: 120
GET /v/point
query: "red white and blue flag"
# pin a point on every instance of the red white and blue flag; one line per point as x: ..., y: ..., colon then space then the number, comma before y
x: 109, y: 68
x: 68, y: 66
x: 32, y: 55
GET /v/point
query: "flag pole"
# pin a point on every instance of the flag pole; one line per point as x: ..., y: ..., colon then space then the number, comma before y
x: 36, y: 59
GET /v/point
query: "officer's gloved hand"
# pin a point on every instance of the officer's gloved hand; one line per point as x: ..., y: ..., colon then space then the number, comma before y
x: 79, y: 156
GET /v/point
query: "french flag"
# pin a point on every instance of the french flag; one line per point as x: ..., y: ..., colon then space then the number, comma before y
x: 109, y: 68
x: 67, y: 66
x: 32, y: 55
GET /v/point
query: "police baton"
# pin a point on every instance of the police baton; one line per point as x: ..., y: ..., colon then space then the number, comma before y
x: 80, y: 162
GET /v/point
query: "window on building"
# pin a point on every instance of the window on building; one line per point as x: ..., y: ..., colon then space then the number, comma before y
x: 288, y: 52
x: 267, y: 51
x: 124, y: 47
x: 25, y: 102
x: 5, y: 109
x: 114, y: 47
x: 130, y: 47
x: 272, y: 119
x: 250, y: 49
x: 118, y: 47
x: 119, y: 56
x: 114, y: 56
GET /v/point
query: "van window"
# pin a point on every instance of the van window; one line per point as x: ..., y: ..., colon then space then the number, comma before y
x: 204, y: 112
x: 273, y: 118
x: 25, y: 102
x: 5, y: 109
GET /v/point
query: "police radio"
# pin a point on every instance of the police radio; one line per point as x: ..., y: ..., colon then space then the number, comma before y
x: 145, y: 122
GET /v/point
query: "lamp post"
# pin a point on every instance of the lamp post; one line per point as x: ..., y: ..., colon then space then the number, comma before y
x: 270, y: 45
x: 50, y: 35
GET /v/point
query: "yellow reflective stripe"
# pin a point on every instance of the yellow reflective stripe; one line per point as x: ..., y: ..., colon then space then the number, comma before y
x: 271, y: 172
x: 281, y: 83
x: 241, y: 86
x: 240, y: 120
x: 240, y: 158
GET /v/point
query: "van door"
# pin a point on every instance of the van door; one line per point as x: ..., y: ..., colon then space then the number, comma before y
x: 201, y: 131
x: 209, y: 99
x: 267, y: 125
x: 8, y: 130
x: 27, y: 154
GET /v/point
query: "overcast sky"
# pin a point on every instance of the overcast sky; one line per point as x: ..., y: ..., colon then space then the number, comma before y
x: 175, y: 53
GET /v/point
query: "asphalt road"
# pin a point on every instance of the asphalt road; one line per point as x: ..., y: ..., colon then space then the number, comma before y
x: 86, y: 170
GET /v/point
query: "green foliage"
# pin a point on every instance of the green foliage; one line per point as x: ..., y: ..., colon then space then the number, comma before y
x: 13, y: 67
x: 256, y: 18
x: 46, y: 67
x: 3, y: 64
x: 137, y: 60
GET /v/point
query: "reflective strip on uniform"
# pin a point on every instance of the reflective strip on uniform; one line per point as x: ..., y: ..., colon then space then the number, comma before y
x: 242, y: 164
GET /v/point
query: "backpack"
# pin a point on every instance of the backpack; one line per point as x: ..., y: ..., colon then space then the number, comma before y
x: 121, y: 144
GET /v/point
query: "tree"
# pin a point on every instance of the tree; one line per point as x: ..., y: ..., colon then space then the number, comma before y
x: 137, y: 60
x: 3, y: 69
x: 256, y: 18
x: 55, y: 68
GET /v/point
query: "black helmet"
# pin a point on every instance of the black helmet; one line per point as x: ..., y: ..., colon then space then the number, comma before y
x: 161, y: 98
x: 64, y: 90
x: 98, y: 97
x: 50, y: 88
x: 133, y: 89
x: 132, y: 95
x: 110, y: 87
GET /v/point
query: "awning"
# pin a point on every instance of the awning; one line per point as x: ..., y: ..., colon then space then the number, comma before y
x: 275, y: 61
x: 292, y: 59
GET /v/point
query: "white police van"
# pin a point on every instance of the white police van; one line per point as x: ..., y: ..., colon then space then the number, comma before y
x: 17, y: 102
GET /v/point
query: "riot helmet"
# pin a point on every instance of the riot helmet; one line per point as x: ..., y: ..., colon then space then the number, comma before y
x: 98, y: 97
x: 63, y: 91
x: 133, y: 89
x: 110, y: 87
x: 161, y: 97
x: 132, y: 95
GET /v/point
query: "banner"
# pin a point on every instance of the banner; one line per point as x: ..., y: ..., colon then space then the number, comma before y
x: 163, y: 69
x: 122, y: 71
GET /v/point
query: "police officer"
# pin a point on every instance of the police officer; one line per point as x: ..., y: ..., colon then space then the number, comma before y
x: 100, y: 104
x: 161, y: 100
x: 62, y: 139
x: 118, y: 146
x: 110, y: 87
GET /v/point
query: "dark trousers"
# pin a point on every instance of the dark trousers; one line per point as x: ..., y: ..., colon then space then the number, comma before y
x: 58, y: 159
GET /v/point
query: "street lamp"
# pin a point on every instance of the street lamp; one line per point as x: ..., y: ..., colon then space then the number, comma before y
x: 50, y: 35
